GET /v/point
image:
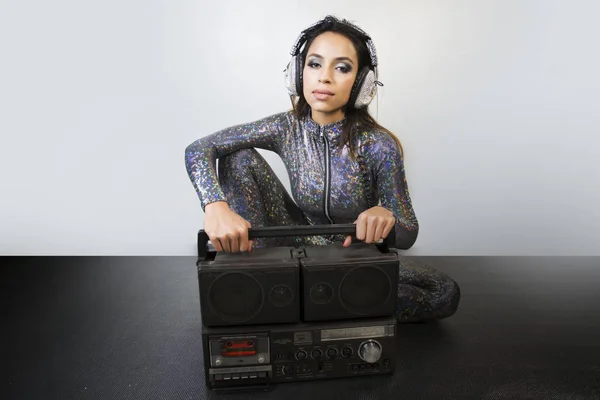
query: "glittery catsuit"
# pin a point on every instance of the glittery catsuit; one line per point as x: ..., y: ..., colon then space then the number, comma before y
x: 328, y: 186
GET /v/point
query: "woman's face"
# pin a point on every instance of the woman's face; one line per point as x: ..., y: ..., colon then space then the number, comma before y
x: 329, y: 72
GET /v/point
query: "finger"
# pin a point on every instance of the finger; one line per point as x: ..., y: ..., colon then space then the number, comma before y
x: 347, y: 242
x: 243, y: 239
x: 250, y: 243
x: 388, y: 227
x: 361, y: 227
x: 379, y: 231
x: 371, y: 225
x: 235, y: 242
x: 225, y: 244
x: 216, y: 244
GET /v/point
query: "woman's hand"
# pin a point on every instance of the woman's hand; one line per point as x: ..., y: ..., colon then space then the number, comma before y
x: 372, y: 225
x: 226, y: 230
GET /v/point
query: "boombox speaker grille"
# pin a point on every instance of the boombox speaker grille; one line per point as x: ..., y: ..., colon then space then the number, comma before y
x: 236, y: 297
x: 364, y: 289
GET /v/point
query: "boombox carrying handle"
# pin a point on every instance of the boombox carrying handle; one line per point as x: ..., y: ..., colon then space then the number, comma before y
x: 298, y: 230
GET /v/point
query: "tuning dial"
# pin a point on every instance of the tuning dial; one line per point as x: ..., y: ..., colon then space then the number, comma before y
x: 370, y: 351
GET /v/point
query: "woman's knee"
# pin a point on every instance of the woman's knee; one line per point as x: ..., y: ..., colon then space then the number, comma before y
x: 240, y: 158
x: 451, y: 296
x: 424, y: 293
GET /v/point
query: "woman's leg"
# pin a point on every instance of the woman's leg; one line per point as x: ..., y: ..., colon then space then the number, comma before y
x: 255, y: 193
x: 425, y: 293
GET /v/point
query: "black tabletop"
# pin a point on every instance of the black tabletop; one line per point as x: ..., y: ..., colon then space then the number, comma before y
x: 129, y: 328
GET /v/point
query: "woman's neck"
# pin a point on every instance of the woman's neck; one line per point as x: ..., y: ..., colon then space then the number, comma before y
x: 324, y: 118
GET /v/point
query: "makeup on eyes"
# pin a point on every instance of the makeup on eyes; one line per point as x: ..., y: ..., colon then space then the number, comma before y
x: 345, y: 67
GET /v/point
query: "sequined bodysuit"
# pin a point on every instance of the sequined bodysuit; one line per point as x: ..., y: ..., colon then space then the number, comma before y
x: 328, y: 186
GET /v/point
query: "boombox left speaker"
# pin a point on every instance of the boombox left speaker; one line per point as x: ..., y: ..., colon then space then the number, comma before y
x: 249, y: 288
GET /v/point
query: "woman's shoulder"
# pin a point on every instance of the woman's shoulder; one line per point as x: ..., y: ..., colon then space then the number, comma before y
x: 377, y: 140
x: 281, y: 117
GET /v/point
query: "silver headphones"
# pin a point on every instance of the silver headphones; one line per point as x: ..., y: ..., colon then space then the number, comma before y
x: 365, y: 86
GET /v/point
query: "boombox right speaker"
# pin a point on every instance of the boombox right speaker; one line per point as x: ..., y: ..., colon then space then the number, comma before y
x: 354, y: 282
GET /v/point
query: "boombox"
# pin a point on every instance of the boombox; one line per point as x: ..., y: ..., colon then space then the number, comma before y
x: 261, y: 355
x: 289, y: 285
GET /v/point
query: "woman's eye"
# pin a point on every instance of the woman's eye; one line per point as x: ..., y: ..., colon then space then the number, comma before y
x: 342, y: 68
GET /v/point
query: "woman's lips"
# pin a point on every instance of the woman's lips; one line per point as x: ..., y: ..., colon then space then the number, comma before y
x: 322, y: 94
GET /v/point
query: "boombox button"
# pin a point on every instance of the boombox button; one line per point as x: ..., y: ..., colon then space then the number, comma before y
x: 262, y: 374
x: 287, y: 370
x: 235, y: 376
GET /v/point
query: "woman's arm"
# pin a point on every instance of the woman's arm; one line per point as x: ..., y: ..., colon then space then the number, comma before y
x: 390, y: 180
x: 201, y: 156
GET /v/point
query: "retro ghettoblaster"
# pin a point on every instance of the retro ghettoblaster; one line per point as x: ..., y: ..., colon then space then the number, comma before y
x: 288, y: 285
x: 277, y: 353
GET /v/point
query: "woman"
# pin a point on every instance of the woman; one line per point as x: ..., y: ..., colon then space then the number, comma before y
x: 343, y: 166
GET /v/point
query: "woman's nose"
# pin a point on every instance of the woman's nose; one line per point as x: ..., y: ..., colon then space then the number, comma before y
x: 325, y: 76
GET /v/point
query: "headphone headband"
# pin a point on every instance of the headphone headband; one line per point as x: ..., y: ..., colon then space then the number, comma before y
x: 327, y: 22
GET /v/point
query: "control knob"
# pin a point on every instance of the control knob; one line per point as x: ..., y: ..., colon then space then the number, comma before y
x: 369, y: 351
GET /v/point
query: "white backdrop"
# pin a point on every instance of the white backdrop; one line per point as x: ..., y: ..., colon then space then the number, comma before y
x: 495, y: 102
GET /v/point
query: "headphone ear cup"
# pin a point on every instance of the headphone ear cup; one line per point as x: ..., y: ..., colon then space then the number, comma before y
x: 360, y: 76
x: 364, y: 88
x: 291, y: 77
x: 299, y: 70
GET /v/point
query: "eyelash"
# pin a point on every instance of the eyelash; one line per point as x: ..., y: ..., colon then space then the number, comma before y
x: 344, y: 69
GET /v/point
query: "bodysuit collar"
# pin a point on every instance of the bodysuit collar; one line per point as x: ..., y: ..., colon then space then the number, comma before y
x: 332, y: 131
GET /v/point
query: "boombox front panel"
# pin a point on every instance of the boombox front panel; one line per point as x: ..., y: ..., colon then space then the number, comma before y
x: 354, y: 290
x: 254, y: 356
x: 249, y: 294
x: 336, y: 254
x: 276, y: 285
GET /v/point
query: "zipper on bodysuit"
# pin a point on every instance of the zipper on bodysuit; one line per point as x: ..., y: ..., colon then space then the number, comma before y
x: 327, y: 177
